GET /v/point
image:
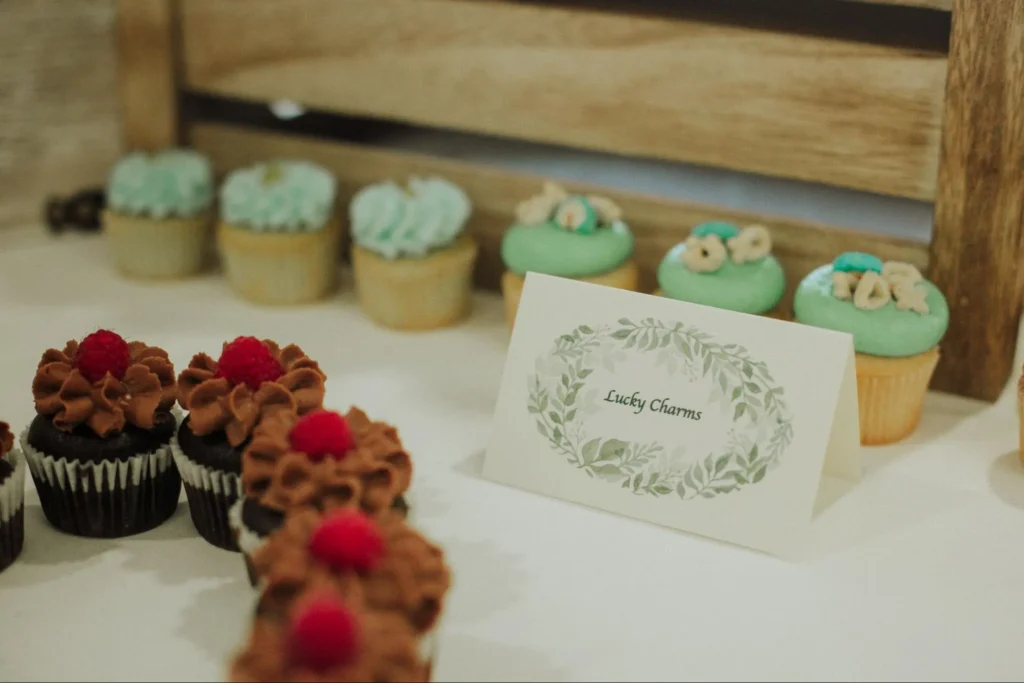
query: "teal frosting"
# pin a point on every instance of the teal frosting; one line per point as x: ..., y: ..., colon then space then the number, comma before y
x: 885, y: 331
x: 281, y: 196
x: 755, y: 287
x: 724, y: 230
x: 857, y: 262
x: 549, y: 249
x: 395, y: 223
x: 170, y: 183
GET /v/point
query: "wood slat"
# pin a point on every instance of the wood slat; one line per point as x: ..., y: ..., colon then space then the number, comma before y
x: 147, y: 60
x: 944, y: 5
x: 657, y: 223
x: 978, y: 247
x: 841, y: 112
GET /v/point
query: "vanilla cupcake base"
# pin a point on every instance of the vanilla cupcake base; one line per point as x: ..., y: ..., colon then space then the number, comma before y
x: 416, y: 293
x: 626, y: 276
x: 280, y: 268
x: 890, y: 395
x: 146, y: 247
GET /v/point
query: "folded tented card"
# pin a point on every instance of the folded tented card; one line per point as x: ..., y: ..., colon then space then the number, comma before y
x: 712, y: 422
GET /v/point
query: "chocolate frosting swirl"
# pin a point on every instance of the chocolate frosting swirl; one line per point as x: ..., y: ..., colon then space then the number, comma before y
x: 108, y: 404
x: 387, y: 650
x: 6, y: 439
x: 282, y: 479
x: 381, y: 440
x: 213, y: 404
x: 411, y: 579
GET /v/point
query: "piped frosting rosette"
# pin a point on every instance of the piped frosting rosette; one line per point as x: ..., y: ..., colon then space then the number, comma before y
x: 251, y: 381
x: 12, y: 498
x: 98, y: 449
x: 381, y: 561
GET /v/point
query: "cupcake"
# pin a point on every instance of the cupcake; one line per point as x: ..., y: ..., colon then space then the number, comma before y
x: 226, y: 399
x: 318, y: 461
x: 724, y: 266
x: 12, y: 498
x: 159, y: 216
x: 385, y: 561
x: 99, y: 447
x: 278, y: 235
x: 571, y: 236
x: 897, y: 319
x: 328, y: 636
x: 412, y: 262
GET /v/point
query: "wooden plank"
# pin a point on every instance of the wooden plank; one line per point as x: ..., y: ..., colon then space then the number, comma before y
x: 58, y: 105
x: 841, y: 112
x: 147, y: 60
x: 978, y: 245
x: 657, y: 223
x: 944, y: 5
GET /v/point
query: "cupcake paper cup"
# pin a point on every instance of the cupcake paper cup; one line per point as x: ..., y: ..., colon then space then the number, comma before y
x: 276, y: 268
x: 247, y: 540
x: 146, y: 247
x: 891, y: 394
x: 416, y: 294
x: 106, y: 499
x: 211, y: 495
x: 626, y: 276
x: 12, y: 511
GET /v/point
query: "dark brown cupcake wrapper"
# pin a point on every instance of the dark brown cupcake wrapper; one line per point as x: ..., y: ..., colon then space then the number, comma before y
x: 107, y: 499
x: 12, y: 511
x: 12, y: 538
x: 211, y: 493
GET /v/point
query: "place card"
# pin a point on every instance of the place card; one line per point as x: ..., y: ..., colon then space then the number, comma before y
x: 708, y: 421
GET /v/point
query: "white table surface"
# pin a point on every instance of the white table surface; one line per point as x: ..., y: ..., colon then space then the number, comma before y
x: 916, y: 574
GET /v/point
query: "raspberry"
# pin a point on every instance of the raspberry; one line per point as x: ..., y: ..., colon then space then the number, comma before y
x: 322, y: 433
x: 323, y: 634
x: 347, y: 540
x: 101, y: 352
x: 247, y: 360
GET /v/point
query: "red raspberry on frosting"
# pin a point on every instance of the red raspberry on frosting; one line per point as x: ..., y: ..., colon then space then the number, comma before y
x: 324, y: 634
x: 322, y: 433
x: 347, y: 539
x: 247, y: 360
x: 101, y: 352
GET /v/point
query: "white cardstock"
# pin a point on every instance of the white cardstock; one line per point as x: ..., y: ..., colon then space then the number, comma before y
x: 713, y: 422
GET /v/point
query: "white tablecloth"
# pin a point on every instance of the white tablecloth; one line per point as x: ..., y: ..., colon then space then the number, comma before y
x: 916, y: 574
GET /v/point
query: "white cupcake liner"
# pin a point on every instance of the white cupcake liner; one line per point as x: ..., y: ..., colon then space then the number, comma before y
x: 211, y: 493
x: 105, y: 499
x: 159, y: 247
x: 248, y: 540
x: 12, y: 510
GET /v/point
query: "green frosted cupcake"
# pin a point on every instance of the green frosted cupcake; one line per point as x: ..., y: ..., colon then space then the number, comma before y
x: 159, y: 213
x: 724, y: 266
x: 573, y: 236
x: 279, y: 235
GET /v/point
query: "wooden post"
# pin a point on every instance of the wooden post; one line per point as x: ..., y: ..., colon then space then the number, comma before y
x: 977, y: 251
x: 147, y: 46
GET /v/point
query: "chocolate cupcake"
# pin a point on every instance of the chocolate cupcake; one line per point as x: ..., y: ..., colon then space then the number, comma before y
x: 99, y: 448
x: 326, y: 636
x: 225, y: 399
x: 315, y: 461
x: 12, y: 498
x: 392, y: 567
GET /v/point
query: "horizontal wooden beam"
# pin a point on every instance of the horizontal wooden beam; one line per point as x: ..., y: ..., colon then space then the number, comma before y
x: 657, y: 223
x: 823, y: 109
x: 944, y: 5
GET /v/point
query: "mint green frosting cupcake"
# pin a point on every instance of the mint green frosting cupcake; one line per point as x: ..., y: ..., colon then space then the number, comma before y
x: 173, y: 183
x: 279, y: 196
x: 891, y: 311
x: 724, y: 266
x: 566, y: 235
x: 397, y: 223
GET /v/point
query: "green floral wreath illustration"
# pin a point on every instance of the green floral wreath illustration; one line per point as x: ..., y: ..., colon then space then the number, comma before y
x: 763, y: 426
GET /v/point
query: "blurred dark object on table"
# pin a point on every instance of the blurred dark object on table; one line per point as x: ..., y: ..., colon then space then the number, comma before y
x: 80, y: 211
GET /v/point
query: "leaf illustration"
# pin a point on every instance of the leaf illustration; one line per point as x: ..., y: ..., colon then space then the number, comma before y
x: 688, y: 478
x: 586, y: 330
x: 707, y: 363
x: 736, y: 393
x: 625, y: 484
x: 654, y: 341
x: 606, y: 471
x: 707, y: 494
x: 636, y: 482
x: 565, y: 381
x: 571, y: 415
x: 759, y: 475
x: 698, y: 476
x: 740, y: 409
x: 748, y: 370
x: 533, y: 409
x: 589, y: 451
x: 586, y: 373
x: 720, y: 464
x: 664, y: 341
x: 630, y: 343
x: 753, y: 387
x: 557, y: 436
x: 626, y: 321
x: 752, y: 455
x: 685, y: 348
x: 571, y: 399
x: 543, y: 402
x: 709, y: 464
x: 680, y: 490
x: 553, y: 416
x: 740, y: 479
x: 654, y: 478
x: 612, y: 449
x: 621, y: 334
x: 661, y: 489
x: 722, y: 383
x: 542, y: 429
